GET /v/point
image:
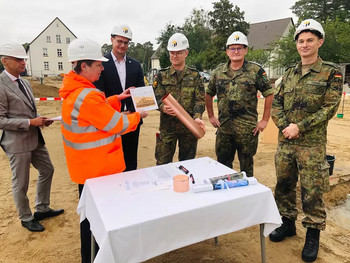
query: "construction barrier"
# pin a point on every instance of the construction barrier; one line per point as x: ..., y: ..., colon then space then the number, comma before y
x: 40, y: 99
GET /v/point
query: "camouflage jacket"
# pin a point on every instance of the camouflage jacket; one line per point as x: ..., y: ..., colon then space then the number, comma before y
x: 237, y: 94
x: 308, y: 101
x: 187, y: 89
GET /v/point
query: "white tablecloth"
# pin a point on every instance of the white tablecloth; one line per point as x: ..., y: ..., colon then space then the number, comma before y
x: 136, y: 225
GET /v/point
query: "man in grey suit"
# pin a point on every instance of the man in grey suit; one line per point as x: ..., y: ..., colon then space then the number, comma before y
x: 22, y: 140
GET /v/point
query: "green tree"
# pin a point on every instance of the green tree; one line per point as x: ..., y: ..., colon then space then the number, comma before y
x: 285, y: 52
x: 141, y: 52
x: 227, y: 18
x: 106, y: 49
x: 322, y: 10
x: 336, y: 47
x: 259, y: 56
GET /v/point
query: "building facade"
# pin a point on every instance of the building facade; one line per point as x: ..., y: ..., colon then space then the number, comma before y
x: 264, y: 35
x: 48, y: 51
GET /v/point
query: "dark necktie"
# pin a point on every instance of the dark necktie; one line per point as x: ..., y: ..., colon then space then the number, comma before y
x: 23, y: 89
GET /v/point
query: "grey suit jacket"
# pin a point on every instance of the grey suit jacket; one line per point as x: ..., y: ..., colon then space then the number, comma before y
x: 15, y: 110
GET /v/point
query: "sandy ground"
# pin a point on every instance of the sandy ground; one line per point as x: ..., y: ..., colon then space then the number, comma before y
x: 60, y: 241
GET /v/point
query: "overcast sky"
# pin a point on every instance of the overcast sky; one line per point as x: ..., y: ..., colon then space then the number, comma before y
x: 23, y: 20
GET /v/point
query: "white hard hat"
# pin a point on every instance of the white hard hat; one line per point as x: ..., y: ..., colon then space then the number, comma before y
x: 13, y: 49
x: 84, y: 49
x: 178, y: 42
x: 237, y: 38
x: 309, y: 24
x: 122, y: 30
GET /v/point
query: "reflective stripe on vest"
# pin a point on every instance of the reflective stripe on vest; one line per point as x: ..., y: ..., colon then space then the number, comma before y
x: 90, y: 145
x: 125, y: 123
x: 113, y: 122
x: 75, y: 128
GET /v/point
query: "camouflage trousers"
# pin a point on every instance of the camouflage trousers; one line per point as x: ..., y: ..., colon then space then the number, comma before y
x: 310, y: 164
x: 245, y: 144
x: 166, y: 146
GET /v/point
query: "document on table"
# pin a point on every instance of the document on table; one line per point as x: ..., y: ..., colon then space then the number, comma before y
x: 152, y: 179
x: 143, y: 98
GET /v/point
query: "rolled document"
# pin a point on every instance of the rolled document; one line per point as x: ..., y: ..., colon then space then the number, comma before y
x: 183, y: 116
x: 228, y: 177
x: 224, y: 184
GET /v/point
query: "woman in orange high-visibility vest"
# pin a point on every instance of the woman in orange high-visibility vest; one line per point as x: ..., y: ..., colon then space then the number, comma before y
x: 92, y: 124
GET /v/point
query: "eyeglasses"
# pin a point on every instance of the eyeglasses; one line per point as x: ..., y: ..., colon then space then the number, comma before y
x: 178, y: 53
x: 238, y: 49
x: 120, y: 42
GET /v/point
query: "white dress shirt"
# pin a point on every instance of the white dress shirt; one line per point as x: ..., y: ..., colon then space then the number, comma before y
x: 121, y: 68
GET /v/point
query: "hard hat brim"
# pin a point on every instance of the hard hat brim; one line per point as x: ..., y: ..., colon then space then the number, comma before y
x: 17, y: 56
x: 103, y: 59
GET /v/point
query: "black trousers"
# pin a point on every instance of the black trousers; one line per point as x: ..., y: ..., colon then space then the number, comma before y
x: 130, y: 143
x: 85, y: 237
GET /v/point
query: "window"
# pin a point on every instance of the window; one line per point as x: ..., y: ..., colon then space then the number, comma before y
x: 58, y: 39
x: 45, y: 52
x: 46, y: 65
x: 67, y: 40
x: 48, y: 39
x: 60, y: 65
x: 59, y: 52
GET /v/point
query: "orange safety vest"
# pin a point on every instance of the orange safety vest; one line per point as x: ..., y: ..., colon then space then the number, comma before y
x: 91, y: 129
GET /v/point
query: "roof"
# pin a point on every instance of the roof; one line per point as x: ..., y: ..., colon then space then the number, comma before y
x: 262, y: 35
x: 50, y: 25
x: 155, y: 55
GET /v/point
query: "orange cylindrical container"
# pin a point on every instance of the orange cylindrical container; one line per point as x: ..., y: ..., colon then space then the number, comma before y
x: 181, y: 183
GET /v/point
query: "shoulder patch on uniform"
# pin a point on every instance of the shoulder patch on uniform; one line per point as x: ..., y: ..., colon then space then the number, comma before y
x: 290, y: 67
x: 193, y: 69
x: 221, y: 65
x: 330, y: 64
x: 164, y: 69
x: 253, y: 62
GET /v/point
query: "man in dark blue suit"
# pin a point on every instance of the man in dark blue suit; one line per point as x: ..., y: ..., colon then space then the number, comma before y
x: 120, y: 73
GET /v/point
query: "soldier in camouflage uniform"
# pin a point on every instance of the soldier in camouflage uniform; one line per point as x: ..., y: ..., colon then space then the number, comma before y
x: 236, y: 84
x: 305, y: 100
x: 185, y: 85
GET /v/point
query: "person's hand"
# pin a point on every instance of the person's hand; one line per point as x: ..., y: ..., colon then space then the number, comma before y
x: 38, y: 121
x: 47, y: 122
x: 214, y: 121
x: 168, y: 110
x: 200, y: 123
x: 125, y: 94
x: 126, y: 112
x: 291, y: 132
x: 143, y: 114
x: 260, y: 126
